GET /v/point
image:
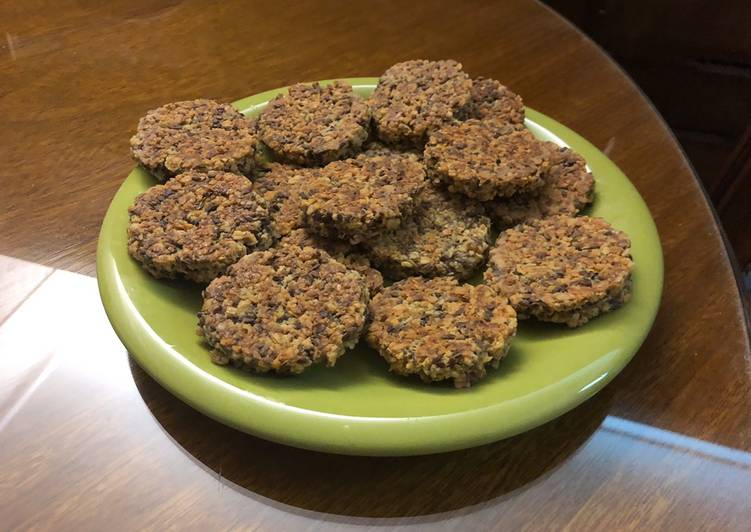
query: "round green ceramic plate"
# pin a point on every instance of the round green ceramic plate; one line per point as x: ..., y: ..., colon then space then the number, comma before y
x: 358, y: 407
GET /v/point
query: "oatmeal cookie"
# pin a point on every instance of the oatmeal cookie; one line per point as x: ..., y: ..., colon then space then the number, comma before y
x: 356, y: 199
x: 415, y: 97
x: 197, y: 224
x: 282, y: 310
x: 201, y: 135
x: 439, y: 329
x: 446, y: 235
x: 491, y: 100
x: 568, y: 188
x: 342, y: 251
x: 485, y: 160
x: 313, y: 125
x: 281, y: 187
x: 374, y: 148
x: 562, y: 269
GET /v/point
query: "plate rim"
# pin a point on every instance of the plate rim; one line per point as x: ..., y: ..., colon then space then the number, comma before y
x: 344, y: 434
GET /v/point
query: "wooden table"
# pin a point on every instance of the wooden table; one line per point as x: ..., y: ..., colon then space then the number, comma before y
x: 89, y: 442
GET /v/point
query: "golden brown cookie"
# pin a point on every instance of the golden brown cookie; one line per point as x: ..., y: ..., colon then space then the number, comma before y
x: 356, y: 199
x: 313, y: 125
x: 281, y: 187
x: 562, y: 269
x: 568, y: 188
x: 415, y: 97
x: 282, y: 310
x: 485, y: 160
x: 342, y: 251
x: 446, y: 235
x: 201, y: 135
x: 197, y: 224
x: 439, y: 329
x: 491, y: 100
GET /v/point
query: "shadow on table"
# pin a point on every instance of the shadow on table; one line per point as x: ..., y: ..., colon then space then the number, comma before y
x: 366, y: 486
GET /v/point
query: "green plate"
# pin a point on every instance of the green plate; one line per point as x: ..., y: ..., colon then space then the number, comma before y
x: 358, y: 407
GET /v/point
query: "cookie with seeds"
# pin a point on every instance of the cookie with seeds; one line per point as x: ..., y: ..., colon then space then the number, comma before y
x: 439, y: 329
x: 491, y: 100
x: 200, y: 135
x: 415, y: 97
x: 283, y: 310
x: 356, y: 199
x: 342, y: 251
x: 446, y: 235
x: 313, y: 125
x: 197, y: 224
x: 484, y: 159
x: 375, y: 147
x: 281, y: 186
x: 562, y: 269
x: 568, y: 188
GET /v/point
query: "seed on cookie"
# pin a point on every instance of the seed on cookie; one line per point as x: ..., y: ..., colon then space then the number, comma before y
x: 491, y: 100
x: 356, y: 199
x: 562, y: 269
x: 200, y: 135
x: 375, y: 147
x: 439, y: 329
x: 342, y: 251
x: 313, y: 125
x: 568, y: 188
x: 484, y: 159
x: 415, y: 97
x: 197, y: 224
x: 446, y: 235
x: 283, y: 310
x: 281, y: 187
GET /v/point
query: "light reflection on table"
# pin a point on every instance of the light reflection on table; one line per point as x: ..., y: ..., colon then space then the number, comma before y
x: 72, y: 417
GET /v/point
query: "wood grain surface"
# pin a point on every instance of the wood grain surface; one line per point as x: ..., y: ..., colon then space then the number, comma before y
x: 88, y: 441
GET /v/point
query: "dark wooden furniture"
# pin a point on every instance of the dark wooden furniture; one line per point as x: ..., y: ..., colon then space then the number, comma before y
x: 88, y: 441
x: 692, y: 58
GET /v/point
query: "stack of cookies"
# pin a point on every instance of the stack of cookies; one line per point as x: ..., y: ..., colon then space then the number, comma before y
x: 295, y: 219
